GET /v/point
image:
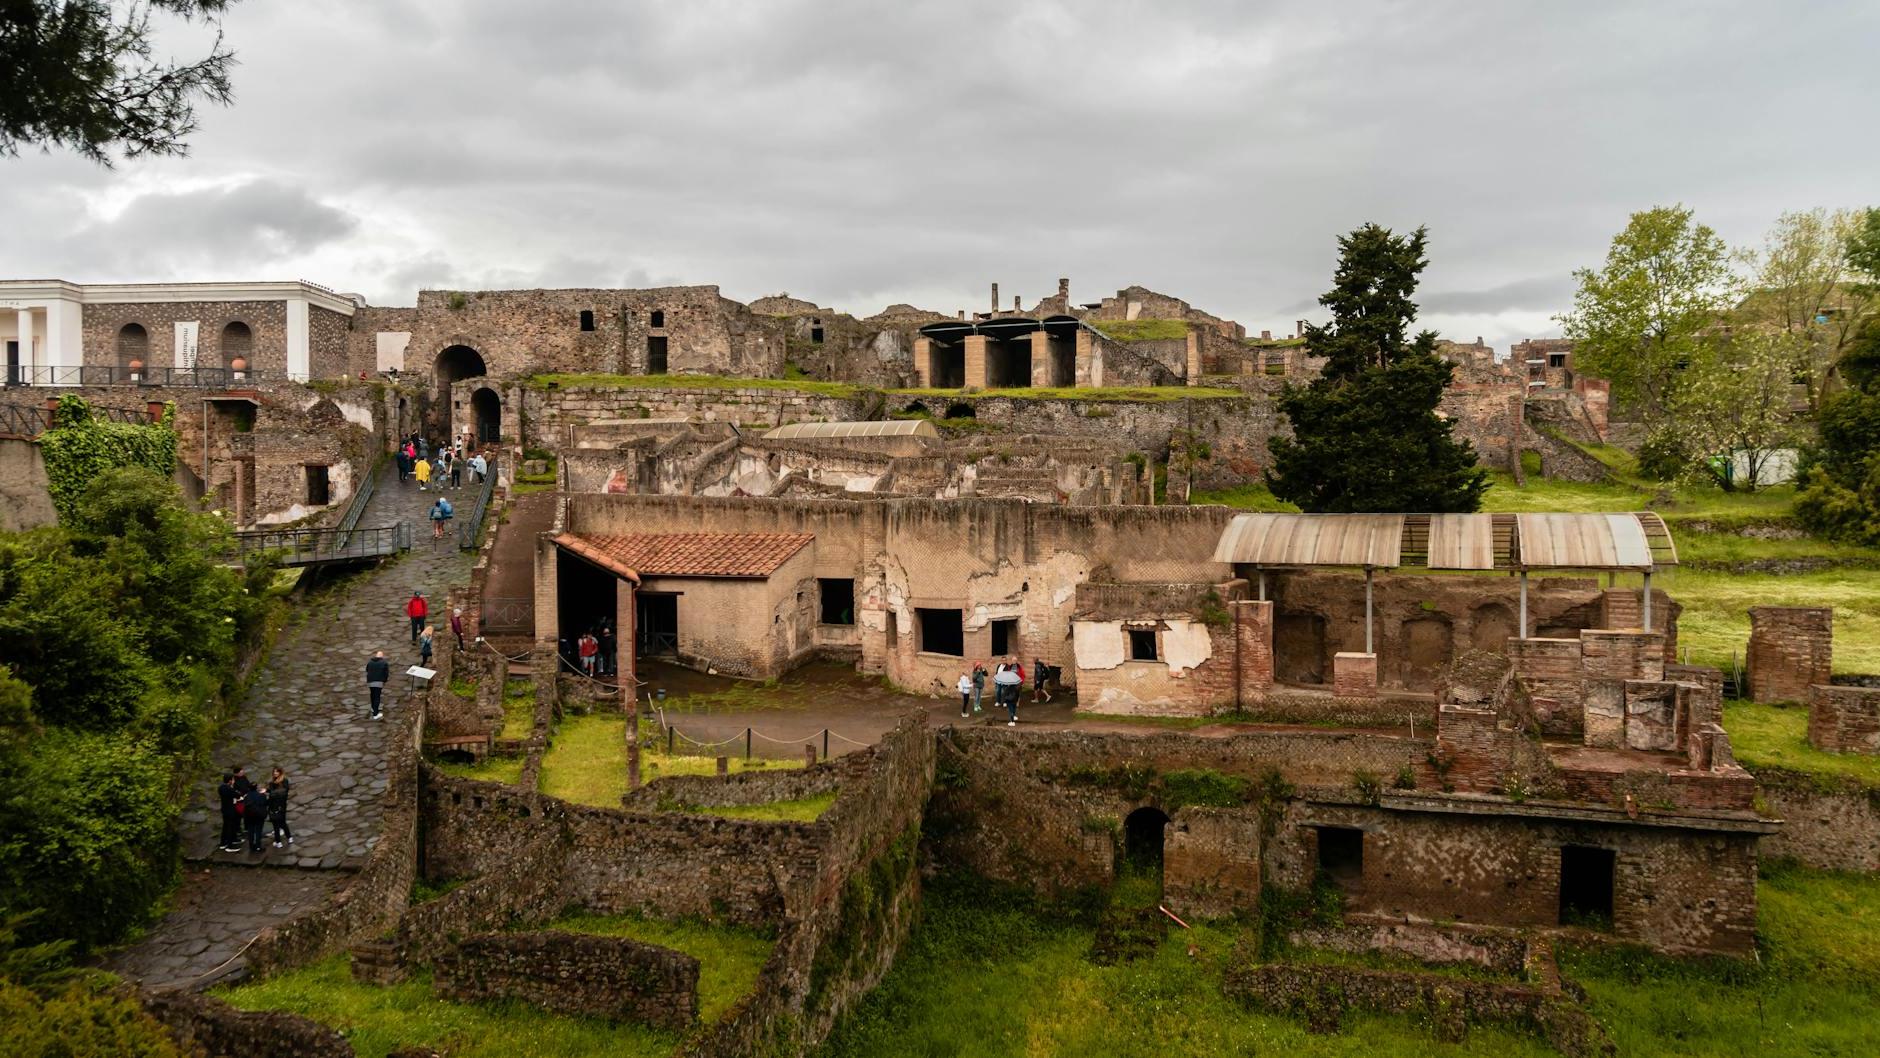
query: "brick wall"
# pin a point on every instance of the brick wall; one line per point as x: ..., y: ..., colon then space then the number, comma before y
x: 572, y: 973
x: 1844, y: 719
x: 209, y: 1026
x: 266, y: 320
x: 1790, y: 649
x: 1831, y: 826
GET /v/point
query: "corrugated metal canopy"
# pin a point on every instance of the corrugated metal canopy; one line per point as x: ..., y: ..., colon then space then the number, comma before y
x: 1637, y: 541
x: 1313, y: 540
x: 875, y: 428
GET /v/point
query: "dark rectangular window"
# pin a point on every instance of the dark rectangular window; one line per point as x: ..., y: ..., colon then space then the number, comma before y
x: 319, y: 490
x: 1004, y: 637
x: 1142, y: 644
x: 941, y: 632
x: 1341, y: 853
x: 656, y: 355
x: 1557, y: 360
x: 587, y: 319
x: 658, y: 318
x: 1586, y: 876
x: 838, y: 601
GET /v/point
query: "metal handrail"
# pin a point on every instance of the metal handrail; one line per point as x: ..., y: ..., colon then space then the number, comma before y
x: 27, y: 420
x: 472, y: 523
x: 304, y: 547
x: 361, y: 496
x: 114, y: 375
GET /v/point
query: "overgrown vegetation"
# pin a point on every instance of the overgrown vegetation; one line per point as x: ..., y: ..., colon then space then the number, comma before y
x: 1142, y: 330
x: 564, y: 380
x: 729, y: 957
x: 49, y: 1009
x: 1773, y: 736
x: 798, y: 810
x: 586, y: 761
x: 79, y: 449
x: 120, y: 636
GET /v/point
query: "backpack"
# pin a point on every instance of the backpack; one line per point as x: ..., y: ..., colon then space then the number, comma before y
x: 445, y: 506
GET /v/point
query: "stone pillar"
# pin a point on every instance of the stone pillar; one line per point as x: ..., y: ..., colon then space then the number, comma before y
x: 26, y: 340
x: 995, y: 297
x: 624, y: 647
x: 1791, y: 648
x: 1253, y: 625
x: 1088, y: 366
x: 923, y: 361
x: 1354, y: 675
x: 1844, y: 719
x: 975, y: 361
x: 1194, y: 357
x: 1610, y: 654
x: 1040, y: 358
x: 547, y: 599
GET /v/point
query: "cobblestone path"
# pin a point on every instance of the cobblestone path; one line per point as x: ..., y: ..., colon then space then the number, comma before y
x: 305, y: 712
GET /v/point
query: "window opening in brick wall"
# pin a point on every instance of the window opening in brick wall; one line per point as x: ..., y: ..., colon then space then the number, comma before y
x: 941, y: 632
x: 1557, y: 360
x: 894, y: 632
x: 133, y: 343
x: 1143, y: 830
x: 656, y: 355
x: 838, y: 601
x: 587, y: 319
x: 1004, y: 637
x: 319, y: 488
x: 238, y: 340
x: 1341, y: 853
x: 816, y: 331
x: 658, y: 318
x: 1586, y: 886
x: 1141, y: 644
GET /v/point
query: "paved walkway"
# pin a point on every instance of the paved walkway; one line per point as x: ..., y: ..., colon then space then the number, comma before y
x: 305, y: 712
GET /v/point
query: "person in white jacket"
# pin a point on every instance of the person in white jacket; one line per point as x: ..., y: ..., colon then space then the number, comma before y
x: 966, y: 693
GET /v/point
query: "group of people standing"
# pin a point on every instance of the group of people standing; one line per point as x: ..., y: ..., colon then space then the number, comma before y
x: 594, y: 649
x: 423, y: 638
x: 418, y: 458
x: 247, y: 805
x: 1008, y: 682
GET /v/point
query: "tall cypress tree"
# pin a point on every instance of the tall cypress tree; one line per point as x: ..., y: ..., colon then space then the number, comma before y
x: 1366, y: 436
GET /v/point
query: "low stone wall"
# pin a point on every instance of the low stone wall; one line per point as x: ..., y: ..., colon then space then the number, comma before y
x: 1828, y: 824
x: 574, y: 973
x: 209, y: 1026
x: 528, y: 892
x: 1503, y: 952
x: 1321, y: 994
x: 1844, y: 719
x: 378, y: 893
x: 743, y: 788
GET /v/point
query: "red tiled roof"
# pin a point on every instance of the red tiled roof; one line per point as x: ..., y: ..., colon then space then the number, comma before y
x: 688, y: 554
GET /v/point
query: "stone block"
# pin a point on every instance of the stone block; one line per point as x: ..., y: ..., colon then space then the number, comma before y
x: 1605, y: 713
x: 1622, y: 655
x: 1791, y: 648
x: 1651, y: 715
x: 1844, y: 719
x: 1354, y: 675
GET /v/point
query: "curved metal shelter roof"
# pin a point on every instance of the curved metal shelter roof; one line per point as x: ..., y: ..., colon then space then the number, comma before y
x: 1002, y: 327
x: 837, y: 430
x: 1635, y: 541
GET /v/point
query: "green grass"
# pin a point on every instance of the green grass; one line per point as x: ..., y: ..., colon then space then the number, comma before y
x: 1777, y: 736
x: 1814, y: 991
x: 986, y: 978
x: 379, y: 1018
x: 802, y: 810
x: 505, y: 770
x: 1715, y: 621
x: 1140, y: 394
x: 605, y: 381
x: 518, y: 711
x: 586, y: 760
x: 1142, y: 330
x: 1254, y: 497
x: 729, y: 957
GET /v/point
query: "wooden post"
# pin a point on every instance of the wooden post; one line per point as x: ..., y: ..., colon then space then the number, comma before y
x: 809, y: 755
x: 724, y: 766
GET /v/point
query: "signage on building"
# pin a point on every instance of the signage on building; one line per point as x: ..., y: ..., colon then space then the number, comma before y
x: 186, y: 344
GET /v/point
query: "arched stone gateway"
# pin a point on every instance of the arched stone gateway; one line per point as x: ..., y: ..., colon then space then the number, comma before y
x: 454, y: 364
x: 486, y: 411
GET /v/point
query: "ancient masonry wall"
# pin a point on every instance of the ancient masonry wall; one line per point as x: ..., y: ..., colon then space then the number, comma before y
x: 266, y: 320
x: 1791, y: 648
x: 1844, y: 719
x: 209, y: 1026
x: 573, y: 973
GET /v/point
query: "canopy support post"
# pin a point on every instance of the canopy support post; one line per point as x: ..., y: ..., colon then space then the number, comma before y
x: 1368, y: 571
x: 1263, y: 585
x: 1647, y: 604
x: 1523, y: 619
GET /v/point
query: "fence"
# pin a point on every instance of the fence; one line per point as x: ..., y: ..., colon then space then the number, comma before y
x: 506, y: 614
x: 307, y: 547
x: 471, y: 524
x: 30, y: 420
x: 101, y: 375
x: 357, y: 508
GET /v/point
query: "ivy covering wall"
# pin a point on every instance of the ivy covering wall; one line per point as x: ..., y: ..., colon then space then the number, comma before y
x: 80, y: 447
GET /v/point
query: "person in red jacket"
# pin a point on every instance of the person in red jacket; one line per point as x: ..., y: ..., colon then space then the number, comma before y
x: 417, y: 609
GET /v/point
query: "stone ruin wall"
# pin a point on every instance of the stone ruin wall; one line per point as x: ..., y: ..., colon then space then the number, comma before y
x: 576, y: 974
x: 1844, y: 719
x: 266, y: 320
x: 1791, y: 648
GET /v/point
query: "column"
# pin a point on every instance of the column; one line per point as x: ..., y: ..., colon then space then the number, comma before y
x: 26, y: 343
x: 976, y: 361
x: 299, y: 341
x: 923, y: 361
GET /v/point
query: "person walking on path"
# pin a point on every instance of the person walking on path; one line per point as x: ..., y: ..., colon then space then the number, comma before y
x: 1009, y: 679
x: 479, y: 468
x: 277, y: 808
x: 254, y: 811
x: 1042, y: 675
x: 456, y: 471
x: 979, y: 684
x: 231, y: 821
x: 966, y: 693
x: 456, y: 626
x: 425, y: 645
x: 378, y: 671
x: 441, y: 512
x: 606, y: 638
x: 417, y: 609
x: 590, y: 649
x: 404, y: 464
x: 423, y: 472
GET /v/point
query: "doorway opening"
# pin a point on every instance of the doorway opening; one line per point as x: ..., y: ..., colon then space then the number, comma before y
x: 15, y: 376
x: 486, y: 412
x: 319, y: 487
x: 1143, y: 830
x: 1586, y: 876
x: 453, y: 365
x: 1004, y: 637
x: 838, y: 601
x: 657, y: 621
x: 656, y: 355
x: 1341, y: 855
x: 586, y: 599
x: 1299, y: 649
x: 941, y: 632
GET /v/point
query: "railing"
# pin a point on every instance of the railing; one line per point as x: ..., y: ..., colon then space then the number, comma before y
x: 504, y: 614
x: 471, y: 524
x: 102, y: 375
x: 357, y: 508
x: 306, y: 547
x: 28, y: 420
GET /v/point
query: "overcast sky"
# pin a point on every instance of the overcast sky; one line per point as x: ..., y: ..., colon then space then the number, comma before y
x: 859, y: 154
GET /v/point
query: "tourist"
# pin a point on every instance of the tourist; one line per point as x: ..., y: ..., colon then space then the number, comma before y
x: 979, y: 684
x: 425, y: 641
x: 1042, y: 674
x: 589, y: 648
x: 441, y: 512
x: 417, y: 609
x: 1009, y: 679
x: 456, y: 626
x: 456, y: 470
x: 277, y: 807
x: 606, y: 656
x: 479, y: 468
x: 254, y: 812
x: 966, y: 693
x: 422, y: 470
x: 231, y: 821
x: 378, y: 671
x: 243, y: 783
x: 404, y: 464
x: 424, y: 448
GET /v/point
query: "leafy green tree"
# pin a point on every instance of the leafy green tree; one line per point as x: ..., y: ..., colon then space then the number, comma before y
x: 1840, y: 492
x: 1651, y: 309
x: 1737, y: 408
x: 60, y: 634
x: 1810, y: 287
x: 1366, y: 435
x: 79, y: 74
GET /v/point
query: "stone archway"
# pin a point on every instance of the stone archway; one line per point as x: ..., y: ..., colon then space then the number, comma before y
x: 486, y: 416
x: 454, y: 363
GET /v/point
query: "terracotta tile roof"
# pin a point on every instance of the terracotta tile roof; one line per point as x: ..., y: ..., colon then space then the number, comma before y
x: 688, y: 554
